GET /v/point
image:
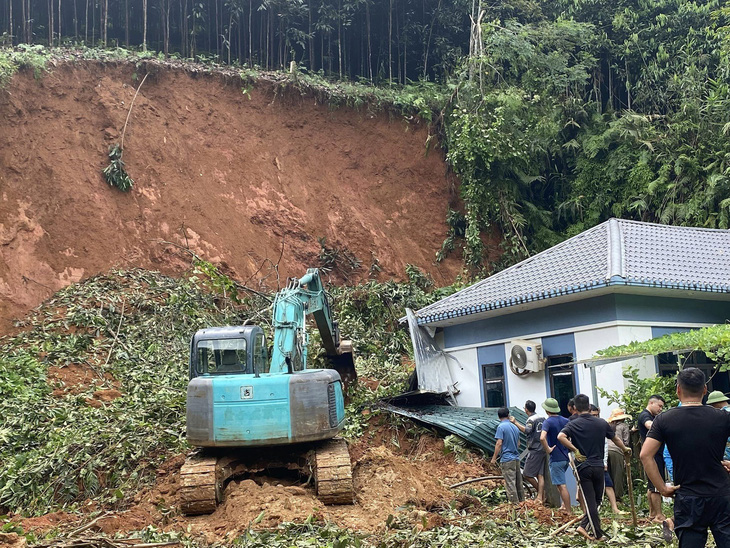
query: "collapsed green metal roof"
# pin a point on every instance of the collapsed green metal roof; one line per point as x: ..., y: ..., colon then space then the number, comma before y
x: 477, y: 425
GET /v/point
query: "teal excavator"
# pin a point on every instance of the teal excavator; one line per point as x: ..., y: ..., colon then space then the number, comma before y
x: 248, y: 414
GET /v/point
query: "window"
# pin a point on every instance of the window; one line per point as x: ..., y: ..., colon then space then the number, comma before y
x: 717, y: 380
x: 494, y: 390
x: 562, y: 380
x: 261, y: 362
x: 220, y: 356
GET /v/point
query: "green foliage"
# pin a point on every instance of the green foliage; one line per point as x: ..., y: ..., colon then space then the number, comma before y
x: 573, y: 113
x: 114, y: 173
x: 713, y: 341
x: 25, y: 56
x: 638, y: 389
x: 131, y: 331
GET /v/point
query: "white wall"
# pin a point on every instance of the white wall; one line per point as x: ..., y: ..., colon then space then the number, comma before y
x: 468, y: 378
x: 608, y: 376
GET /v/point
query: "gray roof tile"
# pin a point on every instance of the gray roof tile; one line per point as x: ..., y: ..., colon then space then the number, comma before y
x: 616, y: 252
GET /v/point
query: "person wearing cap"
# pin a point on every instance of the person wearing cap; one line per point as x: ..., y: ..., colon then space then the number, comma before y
x: 718, y: 400
x: 616, y: 469
x: 551, y: 427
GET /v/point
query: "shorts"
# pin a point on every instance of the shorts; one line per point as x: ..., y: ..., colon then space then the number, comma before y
x: 607, y: 479
x: 659, y: 459
x: 557, y: 471
x: 534, y: 464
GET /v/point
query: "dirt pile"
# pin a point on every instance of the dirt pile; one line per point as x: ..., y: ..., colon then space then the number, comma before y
x: 247, y: 180
x: 390, y: 479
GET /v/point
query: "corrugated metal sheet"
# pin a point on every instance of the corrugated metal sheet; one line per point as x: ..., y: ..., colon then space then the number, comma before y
x: 477, y: 425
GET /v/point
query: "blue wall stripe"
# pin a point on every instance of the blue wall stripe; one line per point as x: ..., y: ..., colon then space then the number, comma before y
x: 601, y: 309
x: 492, y: 354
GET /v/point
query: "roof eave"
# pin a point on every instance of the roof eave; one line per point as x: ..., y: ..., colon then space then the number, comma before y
x: 562, y: 295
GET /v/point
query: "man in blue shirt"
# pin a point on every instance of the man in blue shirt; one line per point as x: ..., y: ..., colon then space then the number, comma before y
x: 557, y: 451
x: 507, y: 447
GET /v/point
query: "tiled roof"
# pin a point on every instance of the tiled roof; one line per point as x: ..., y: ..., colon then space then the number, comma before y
x: 616, y: 252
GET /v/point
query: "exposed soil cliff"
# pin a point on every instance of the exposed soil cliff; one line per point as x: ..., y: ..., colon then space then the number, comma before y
x: 246, y: 180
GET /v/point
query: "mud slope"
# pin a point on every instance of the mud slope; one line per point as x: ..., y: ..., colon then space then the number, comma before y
x: 233, y: 176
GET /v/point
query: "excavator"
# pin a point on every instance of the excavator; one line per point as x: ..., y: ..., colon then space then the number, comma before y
x: 248, y: 414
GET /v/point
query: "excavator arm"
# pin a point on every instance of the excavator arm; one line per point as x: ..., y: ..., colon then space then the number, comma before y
x: 301, y: 297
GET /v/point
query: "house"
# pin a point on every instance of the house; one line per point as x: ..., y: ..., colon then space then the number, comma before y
x: 618, y: 282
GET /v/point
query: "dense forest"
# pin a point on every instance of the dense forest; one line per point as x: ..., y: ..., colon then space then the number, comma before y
x: 555, y: 115
x: 377, y: 40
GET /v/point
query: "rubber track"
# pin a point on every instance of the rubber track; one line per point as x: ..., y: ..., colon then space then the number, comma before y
x: 333, y: 473
x: 199, y: 493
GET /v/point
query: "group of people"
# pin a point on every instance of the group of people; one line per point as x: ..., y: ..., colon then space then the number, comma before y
x: 685, y: 453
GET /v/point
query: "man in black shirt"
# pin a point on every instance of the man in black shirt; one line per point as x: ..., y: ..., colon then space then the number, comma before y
x: 653, y: 407
x: 695, y: 436
x: 586, y: 435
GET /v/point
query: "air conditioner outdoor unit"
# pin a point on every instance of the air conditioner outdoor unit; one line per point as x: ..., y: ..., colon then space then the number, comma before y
x: 526, y: 356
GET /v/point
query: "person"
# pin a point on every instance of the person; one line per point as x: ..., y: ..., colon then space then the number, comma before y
x: 571, y: 409
x: 558, y: 454
x: 646, y: 418
x: 507, y: 447
x: 607, y: 480
x: 616, y: 467
x: 585, y: 436
x: 718, y: 400
x: 695, y: 435
x: 535, y: 462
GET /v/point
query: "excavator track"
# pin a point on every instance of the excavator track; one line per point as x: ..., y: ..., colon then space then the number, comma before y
x: 200, y: 490
x: 333, y: 473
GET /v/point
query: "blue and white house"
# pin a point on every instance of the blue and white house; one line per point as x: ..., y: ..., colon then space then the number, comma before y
x: 618, y: 282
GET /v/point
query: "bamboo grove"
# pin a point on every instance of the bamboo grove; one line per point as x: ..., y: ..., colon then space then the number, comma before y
x: 384, y: 40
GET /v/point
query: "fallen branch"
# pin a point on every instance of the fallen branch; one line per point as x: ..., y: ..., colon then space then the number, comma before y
x: 565, y: 526
x: 116, y: 336
x: 483, y: 478
x: 88, y: 525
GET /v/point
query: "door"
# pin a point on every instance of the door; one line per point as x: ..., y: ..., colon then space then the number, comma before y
x: 562, y: 380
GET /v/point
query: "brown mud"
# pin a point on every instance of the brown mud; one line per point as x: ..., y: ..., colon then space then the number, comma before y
x: 250, y: 181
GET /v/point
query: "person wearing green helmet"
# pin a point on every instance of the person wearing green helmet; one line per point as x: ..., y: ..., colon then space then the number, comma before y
x: 558, y: 453
x: 718, y: 400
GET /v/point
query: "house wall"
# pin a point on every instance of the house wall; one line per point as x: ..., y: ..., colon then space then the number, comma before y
x: 579, y: 328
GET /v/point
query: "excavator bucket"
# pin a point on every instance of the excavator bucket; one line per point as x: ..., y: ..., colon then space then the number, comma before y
x: 344, y: 364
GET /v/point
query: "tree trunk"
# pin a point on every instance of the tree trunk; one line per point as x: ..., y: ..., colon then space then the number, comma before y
x: 370, y: 48
x: 10, y: 23
x: 76, y: 22
x: 50, y: 23
x: 144, y: 25
x: 390, y: 41
x: 106, y: 20
x: 126, y: 23
x: 428, y: 41
x: 86, y: 24
x: 59, y: 22
x: 311, y: 37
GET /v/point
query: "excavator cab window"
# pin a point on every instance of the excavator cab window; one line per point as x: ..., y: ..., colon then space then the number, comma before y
x: 261, y: 362
x: 221, y: 356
